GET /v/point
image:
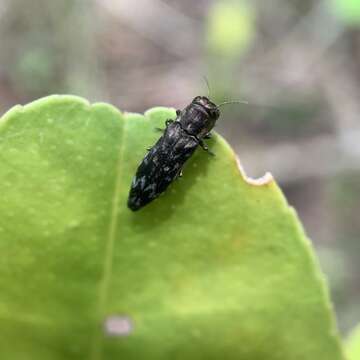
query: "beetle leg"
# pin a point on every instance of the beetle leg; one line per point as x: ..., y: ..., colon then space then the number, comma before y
x: 206, y: 148
x: 167, y: 123
x: 179, y: 174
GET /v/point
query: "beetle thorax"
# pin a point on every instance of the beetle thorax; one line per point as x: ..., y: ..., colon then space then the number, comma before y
x: 199, y: 117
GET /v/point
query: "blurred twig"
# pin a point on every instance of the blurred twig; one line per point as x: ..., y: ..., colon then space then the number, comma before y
x: 175, y: 32
x: 298, y: 56
x: 83, y: 62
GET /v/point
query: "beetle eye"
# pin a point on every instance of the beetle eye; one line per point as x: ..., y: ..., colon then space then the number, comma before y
x: 197, y: 99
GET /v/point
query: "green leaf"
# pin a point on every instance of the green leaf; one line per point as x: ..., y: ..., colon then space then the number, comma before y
x: 216, y: 268
x: 230, y: 28
x: 353, y: 344
x: 347, y: 10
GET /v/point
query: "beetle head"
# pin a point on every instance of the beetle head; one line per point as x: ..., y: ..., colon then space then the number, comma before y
x: 210, y: 107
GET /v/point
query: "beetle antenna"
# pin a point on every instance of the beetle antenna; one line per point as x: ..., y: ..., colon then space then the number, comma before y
x: 207, y: 85
x: 233, y: 102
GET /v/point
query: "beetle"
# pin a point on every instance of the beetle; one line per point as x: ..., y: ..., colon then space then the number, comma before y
x: 164, y: 161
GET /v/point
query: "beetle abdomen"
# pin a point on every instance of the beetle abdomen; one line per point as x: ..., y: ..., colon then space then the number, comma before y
x: 161, y: 165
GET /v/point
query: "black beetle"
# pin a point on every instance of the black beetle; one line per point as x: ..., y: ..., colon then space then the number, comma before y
x: 164, y: 161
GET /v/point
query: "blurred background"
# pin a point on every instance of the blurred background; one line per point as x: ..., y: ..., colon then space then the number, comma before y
x: 297, y: 63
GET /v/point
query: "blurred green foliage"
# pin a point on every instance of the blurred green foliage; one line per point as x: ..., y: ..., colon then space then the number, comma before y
x: 231, y: 28
x: 348, y: 11
x: 34, y: 70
